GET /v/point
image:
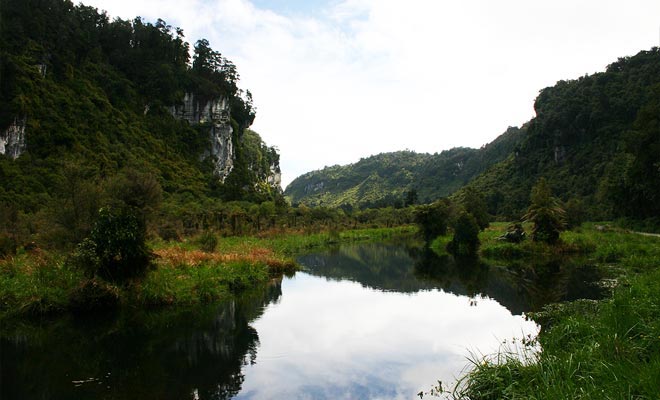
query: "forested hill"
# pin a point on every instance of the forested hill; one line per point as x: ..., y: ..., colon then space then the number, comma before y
x: 85, y: 101
x: 393, y: 179
x: 595, y: 139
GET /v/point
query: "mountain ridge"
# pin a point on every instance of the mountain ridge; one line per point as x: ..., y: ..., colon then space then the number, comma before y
x: 430, y: 176
x: 596, y: 139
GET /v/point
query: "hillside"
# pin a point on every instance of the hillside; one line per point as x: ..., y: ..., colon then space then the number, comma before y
x: 85, y: 101
x: 386, y: 179
x: 596, y: 139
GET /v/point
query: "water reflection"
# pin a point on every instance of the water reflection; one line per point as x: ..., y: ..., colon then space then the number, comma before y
x: 153, y: 355
x: 330, y: 339
x: 363, y: 321
x: 520, y: 286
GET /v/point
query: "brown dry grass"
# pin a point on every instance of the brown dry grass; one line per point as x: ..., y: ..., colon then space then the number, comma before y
x: 176, y: 257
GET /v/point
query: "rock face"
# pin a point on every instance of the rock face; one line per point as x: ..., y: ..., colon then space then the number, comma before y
x: 12, y: 139
x: 275, y: 177
x: 214, y: 112
x: 314, y: 187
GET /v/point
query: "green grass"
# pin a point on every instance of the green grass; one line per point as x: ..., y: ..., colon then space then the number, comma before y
x: 590, y: 350
x: 184, y: 273
x: 204, y: 283
x: 34, y: 284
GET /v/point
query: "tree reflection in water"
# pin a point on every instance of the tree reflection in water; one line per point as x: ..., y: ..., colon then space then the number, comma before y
x: 151, y: 355
x: 520, y: 286
x: 202, y: 353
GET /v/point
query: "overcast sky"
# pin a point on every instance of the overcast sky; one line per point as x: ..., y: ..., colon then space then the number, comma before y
x: 337, y: 80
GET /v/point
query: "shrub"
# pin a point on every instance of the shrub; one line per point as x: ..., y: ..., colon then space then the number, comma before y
x: 208, y: 241
x: 466, y: 236
x: 545, y: 213
x: 116, y: 248
x: 433, y: 219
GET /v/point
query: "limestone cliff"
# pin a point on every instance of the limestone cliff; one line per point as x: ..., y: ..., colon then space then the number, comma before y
x: 215, y: 113
x: 12, y: 139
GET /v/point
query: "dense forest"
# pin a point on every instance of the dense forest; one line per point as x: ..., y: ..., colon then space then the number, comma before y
x: 96, y: 111
x: 595, y: 139
x: 400, y: 178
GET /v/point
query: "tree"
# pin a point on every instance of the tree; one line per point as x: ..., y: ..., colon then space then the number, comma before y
x: 466, y: 236
x: 545, y: 213
x: 433, y: 219
x: 206, y: 60
x: 411, y: 198
x: 474, y: 204
x: 116, y: 248
x: 268, y: 211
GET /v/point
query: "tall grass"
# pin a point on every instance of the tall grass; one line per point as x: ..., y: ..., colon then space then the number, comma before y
x: 188, y: 272
x: 612, y: 352
x: 36, y: 284
x: 590, y: 350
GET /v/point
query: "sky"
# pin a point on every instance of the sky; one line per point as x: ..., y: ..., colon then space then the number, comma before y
x: 337, y: 80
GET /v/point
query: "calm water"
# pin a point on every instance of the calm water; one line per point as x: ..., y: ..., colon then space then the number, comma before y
x: 363, y: 321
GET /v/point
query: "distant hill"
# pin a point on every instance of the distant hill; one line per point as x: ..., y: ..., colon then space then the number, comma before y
x: 386, y: 179
x: 596, y: 139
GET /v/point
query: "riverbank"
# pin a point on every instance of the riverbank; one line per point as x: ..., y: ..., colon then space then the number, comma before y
x: 608, y: 349
x: 182, y: 273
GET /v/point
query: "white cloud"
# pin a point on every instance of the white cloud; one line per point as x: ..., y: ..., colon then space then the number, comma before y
x: 366, y: 76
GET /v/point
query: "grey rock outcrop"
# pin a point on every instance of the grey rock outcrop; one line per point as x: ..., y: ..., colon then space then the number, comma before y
x: 275, y: 177
x: 12, y: 139
x: 214, y: 112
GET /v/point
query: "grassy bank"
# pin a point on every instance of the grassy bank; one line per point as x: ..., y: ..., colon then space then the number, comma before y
x: 608, y: 349
x: 37, y: 282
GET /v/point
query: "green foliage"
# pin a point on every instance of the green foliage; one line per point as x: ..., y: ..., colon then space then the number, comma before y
x: 545, y: 213
x: 466, y: 236
x: 474, y: 204
x: 116, y: 249
x: 7, y: 245
x: 590, y: 351
x: 35, y: 285
x: 594, y: 139
x: 586, y: 349
x: 631, y: 185
x: 399, y: 179
x: 208, y: 241
x: 433, y: 219
x: 97, y: 98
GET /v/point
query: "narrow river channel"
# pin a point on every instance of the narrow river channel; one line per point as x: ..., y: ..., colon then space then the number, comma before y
x: 361, y: 321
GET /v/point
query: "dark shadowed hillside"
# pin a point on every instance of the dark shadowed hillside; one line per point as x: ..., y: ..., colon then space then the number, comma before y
x: 85, y: 99
x: 597, y: 141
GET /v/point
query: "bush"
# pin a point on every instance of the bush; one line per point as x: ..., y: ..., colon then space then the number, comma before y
x: 545, y: 213
x: 116, y: 249
x: 433, y: 219
x: 208, y: 241
x: 466, y: 236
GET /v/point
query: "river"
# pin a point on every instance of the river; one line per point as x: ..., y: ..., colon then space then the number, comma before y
x: 360, y: 321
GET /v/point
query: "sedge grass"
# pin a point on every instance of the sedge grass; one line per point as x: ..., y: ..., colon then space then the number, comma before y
x: 608, y: 349
x: 186, y: 272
